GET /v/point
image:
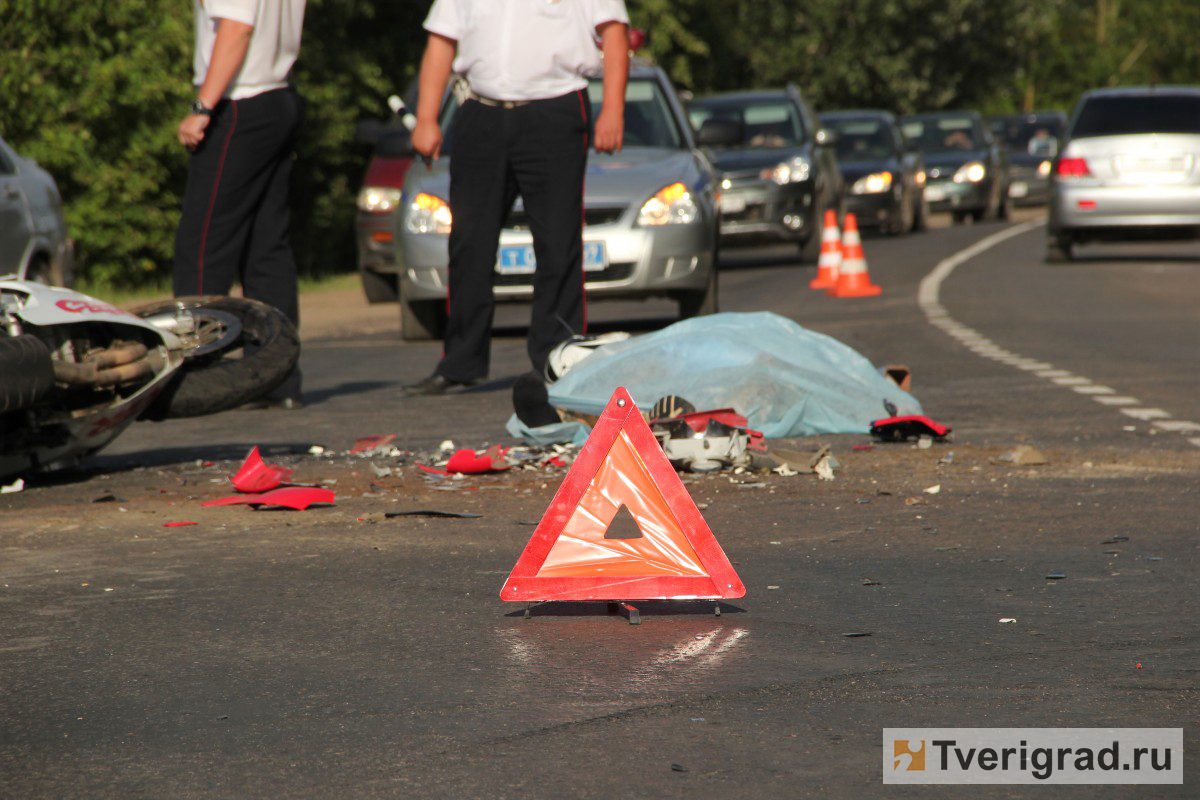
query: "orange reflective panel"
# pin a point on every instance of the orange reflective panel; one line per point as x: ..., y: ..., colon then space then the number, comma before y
x: 586, y: 548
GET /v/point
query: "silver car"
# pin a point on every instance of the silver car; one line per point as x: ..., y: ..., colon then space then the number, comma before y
x: 33, y: 233
x: 650, y: 218
x: 1129, y: 168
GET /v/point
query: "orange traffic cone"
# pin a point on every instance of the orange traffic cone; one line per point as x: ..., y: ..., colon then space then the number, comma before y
x: 831, y: 254
x: 853, y: 280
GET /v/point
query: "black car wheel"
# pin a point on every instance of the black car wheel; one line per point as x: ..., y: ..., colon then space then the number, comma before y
x: 1059, y: 247
x: 422, y: 319
x: 701, y: 302
x: 379, y: 287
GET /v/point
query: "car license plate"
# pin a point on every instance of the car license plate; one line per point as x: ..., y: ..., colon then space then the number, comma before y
x: 935, y: 194
x: 732, y: 203
x: 518, y: 259
x: 1018, y: 189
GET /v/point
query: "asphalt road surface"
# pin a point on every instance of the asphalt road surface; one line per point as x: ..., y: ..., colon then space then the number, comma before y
x: 335, y: 652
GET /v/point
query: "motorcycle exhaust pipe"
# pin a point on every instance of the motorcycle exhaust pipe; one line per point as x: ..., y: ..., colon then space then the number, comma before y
x: 110, y: 367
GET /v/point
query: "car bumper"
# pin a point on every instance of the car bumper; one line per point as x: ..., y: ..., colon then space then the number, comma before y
x: 375, y: 237
x: 768, y: 212
x: 641, y: 262
x: 873, y: 210
x: 951, y: 196
x: 1116, y: 207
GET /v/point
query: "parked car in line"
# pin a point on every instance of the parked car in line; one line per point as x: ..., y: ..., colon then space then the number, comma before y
x: 966, y: 171
x: 778, y: 170
x: 379, y: 197
x: 885, y: 176
x: 1031, y: 141
x: 650, y: 217
x: 34, y: 244
x: 1129, y: 168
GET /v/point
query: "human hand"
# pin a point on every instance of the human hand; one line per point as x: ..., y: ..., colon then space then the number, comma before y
x: 610, y: 131
x: 427, y: 139
x: 191, y: 130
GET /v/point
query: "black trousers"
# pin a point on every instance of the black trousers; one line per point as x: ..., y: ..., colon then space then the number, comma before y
x: 538, y: 151
x: 235, y: 217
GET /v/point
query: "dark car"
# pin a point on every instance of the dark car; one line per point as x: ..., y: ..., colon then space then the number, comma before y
x: 1031, y: 141
x: 34, y: 244
x: 885, y: 176
x: 966, y: 170
x: 1129, y: 169
x: 778, y: 170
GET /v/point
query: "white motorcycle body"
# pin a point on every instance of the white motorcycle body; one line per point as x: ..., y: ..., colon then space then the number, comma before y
x: 110, y: 366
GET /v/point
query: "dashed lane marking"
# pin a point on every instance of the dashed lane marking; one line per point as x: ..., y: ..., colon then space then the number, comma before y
x: 928, y: 297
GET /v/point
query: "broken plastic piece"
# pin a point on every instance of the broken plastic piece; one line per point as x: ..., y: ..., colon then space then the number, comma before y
x: 179, y: 524
x: 429, y: 512
x: 468, y: 462
x: 368, y: 443
x: 902, y: 428
x: 256, y: 475
x: 297, y: 497
x: 1057, y: 575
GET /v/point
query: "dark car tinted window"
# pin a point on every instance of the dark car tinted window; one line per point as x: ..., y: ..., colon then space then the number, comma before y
x: 862, y: 139
x: 767, y: 123
x: 943, y: 133
x: 1156, y: 113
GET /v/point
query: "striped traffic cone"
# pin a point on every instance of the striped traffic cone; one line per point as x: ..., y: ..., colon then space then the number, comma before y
x: 853, y: 280
x: 831, y: 254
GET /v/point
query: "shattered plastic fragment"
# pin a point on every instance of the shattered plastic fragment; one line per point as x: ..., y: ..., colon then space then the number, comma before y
x: 296, y: 497
x: 431, y: 513
x: 1057, y: 575
x: 467, y: 461
x: 256, y: 475
x: 1007, y: 620
x: 1024, y: 456
x: 179, y: 524
x: 16, y: 486
x: 368, y: 444
x: 933, y: 489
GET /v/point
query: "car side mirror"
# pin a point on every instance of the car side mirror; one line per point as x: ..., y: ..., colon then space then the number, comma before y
x: 826, y: 137
x: 720, y: 133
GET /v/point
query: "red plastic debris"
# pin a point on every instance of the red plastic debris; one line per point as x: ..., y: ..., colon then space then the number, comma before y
x: 862, y: 447
x: 368, y: 443
x: 179, y: 524
x: 901, y: 428
x: 256, y: 475
x: 469, y: 462
x: 1139, y: 665
x: 297, y: 497
x: 433, y: 470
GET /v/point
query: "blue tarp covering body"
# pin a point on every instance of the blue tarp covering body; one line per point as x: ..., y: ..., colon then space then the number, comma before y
x: 785, y: 379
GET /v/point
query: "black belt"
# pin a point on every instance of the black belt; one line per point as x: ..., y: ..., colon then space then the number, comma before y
x: 494, y: 103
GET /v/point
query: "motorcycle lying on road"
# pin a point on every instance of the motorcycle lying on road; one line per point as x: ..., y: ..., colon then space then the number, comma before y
x: 75, y: 371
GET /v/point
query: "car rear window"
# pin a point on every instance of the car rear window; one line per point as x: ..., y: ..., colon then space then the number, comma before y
x: 767, y: 123
x: 1151, y: 113
x: 862, y: 139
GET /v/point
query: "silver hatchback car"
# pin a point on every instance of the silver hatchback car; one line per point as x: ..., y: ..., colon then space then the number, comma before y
x: 1129, y: 168
x: 650, y: 218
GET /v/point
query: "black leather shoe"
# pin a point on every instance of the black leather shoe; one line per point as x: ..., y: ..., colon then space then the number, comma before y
x: 273, y: 404
x: 435, y: 384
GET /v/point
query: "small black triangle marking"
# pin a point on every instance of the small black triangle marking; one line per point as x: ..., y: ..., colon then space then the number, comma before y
x: 623, y: 526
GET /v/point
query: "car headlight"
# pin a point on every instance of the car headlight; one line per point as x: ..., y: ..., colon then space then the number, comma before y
x: 378, y: 199
x: 971, y: 172
x: 428, y: 214
x: 874, y: 183
x: 1044, y: 169
x: 794, y: 170
x: 670, y: 205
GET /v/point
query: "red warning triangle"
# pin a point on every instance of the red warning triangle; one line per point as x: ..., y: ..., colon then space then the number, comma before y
x: 622, y: 526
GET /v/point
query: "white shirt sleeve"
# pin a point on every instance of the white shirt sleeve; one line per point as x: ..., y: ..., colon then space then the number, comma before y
x: 445, y: 18
x: 237, y: 10
x: 603, y: 11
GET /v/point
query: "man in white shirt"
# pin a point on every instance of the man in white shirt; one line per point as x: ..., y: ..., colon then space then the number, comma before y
x: 524, y: 131
x: 241, y: 131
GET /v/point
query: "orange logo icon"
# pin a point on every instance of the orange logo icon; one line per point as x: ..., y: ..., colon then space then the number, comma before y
x: 909, y: 755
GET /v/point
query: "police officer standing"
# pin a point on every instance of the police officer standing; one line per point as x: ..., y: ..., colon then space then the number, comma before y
x: 524, y: 130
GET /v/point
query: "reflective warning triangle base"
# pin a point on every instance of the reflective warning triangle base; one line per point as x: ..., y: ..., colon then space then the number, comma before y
x: 622, y: 526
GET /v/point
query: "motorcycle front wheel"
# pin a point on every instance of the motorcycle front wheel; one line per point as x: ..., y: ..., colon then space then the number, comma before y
x: 237, y: 350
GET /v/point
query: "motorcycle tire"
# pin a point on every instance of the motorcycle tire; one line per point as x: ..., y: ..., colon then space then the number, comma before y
x: 211, y: 382
x: 28, y: 372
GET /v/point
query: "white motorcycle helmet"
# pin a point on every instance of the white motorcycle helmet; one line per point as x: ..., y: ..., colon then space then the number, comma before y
x: 570, y: 352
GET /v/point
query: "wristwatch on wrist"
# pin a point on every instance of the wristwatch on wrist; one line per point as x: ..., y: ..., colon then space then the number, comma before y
x: 198, y: 107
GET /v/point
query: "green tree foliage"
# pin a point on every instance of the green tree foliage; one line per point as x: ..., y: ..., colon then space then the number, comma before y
x: 95, y: 91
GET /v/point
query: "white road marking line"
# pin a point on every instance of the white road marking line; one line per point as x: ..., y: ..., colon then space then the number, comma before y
x: 1146, y: 414
x: 928, y: 298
